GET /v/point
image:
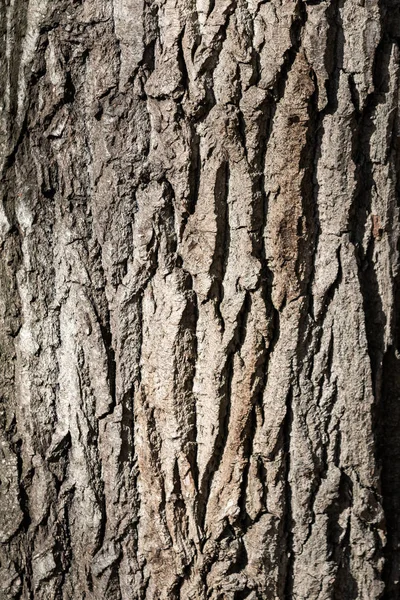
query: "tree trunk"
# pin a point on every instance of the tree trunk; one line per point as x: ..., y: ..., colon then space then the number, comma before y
x: 200, y: 294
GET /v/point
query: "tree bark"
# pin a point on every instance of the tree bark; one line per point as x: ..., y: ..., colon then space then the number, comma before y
x: 199, y: 299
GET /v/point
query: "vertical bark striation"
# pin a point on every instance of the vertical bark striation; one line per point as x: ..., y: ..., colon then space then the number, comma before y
x: 199, y: 339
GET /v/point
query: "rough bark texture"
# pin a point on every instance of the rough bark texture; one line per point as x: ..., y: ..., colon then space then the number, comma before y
x: 199, y: 335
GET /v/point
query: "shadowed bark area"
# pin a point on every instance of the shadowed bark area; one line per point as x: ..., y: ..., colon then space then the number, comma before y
x: 199, y: 298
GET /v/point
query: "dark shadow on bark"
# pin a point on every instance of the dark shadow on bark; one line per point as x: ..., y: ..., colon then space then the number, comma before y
x: 385, y: 369
x: 389, y: 411
x: 389, y: 453
x: 286, y: 568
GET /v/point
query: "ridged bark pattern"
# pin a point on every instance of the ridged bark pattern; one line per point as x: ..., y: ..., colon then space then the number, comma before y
x: 199, y: 300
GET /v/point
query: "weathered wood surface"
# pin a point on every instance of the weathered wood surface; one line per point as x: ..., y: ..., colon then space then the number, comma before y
x: 199, y: 299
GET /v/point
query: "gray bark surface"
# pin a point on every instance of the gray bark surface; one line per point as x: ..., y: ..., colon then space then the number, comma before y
x: 199, y: 300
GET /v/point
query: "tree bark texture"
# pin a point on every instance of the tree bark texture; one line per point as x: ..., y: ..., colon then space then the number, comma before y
x: 199, y: 299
